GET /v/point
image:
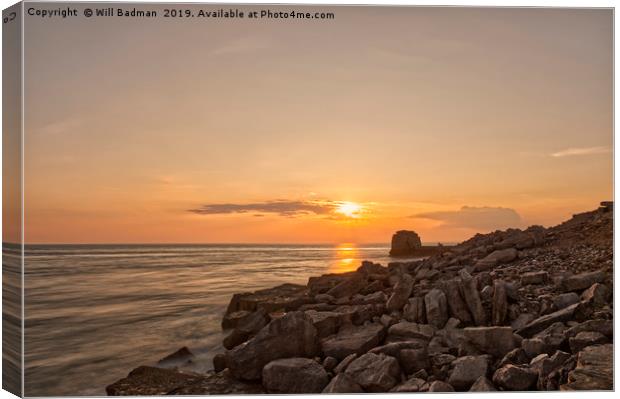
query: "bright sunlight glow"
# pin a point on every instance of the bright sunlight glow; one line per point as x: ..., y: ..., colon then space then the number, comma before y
x: 349, y: 209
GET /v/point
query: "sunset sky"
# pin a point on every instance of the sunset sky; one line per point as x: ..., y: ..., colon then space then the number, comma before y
x: 446, y: 121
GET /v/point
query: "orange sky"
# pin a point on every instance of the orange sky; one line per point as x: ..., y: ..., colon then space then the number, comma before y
x: 446, y: 121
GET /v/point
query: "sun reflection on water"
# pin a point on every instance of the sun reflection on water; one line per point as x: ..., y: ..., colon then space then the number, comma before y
x: 345, y: 258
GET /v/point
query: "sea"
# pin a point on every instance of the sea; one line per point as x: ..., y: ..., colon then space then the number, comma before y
x: 95, y: 312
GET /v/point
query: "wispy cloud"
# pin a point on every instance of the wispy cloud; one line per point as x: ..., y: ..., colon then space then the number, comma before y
x: 579, y: 151
x: 279, y: 207
x: 484, y: 218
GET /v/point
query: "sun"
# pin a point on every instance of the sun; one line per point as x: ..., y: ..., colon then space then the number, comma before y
x: 349, y: 209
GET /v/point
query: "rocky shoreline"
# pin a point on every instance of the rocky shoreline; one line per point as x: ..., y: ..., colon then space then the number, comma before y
x: 514, y: 310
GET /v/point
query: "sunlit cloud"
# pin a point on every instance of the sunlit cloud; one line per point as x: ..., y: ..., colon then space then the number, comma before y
x: 579, y: 151
x: 279, y: 207
x: 288, y: 208
x: 483, y: 218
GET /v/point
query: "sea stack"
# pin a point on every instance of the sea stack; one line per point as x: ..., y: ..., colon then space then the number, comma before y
x: 405, y: 242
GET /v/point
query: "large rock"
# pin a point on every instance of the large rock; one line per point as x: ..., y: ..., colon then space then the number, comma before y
x: 586, y: 338
x: 582, y: 281
x: 456, y: 303
x: 436, y: 306
x: 539, y: 324
x: 496, y: 258
x: 471, y: 295
x: 467, y: 370
x: 402, y: 291
x: 353, y: 339
x: 594, y: 369
x: 326, y: 323
x: 515, y: 378
x: 414, y: 310
x: 496, y: 341
x: 292, y: 335
x: 598, y: 294
x: 246, y: 328
x: 342, y: 383
x: 285, y: 297
x: 374, y: 373
x: 294, y: 375
x: 405, y: 243
x: 322, y: 284
x: 406, y: 331
x: 349, y: 286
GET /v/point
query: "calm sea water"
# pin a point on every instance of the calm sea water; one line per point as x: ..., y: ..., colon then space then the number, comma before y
x: 95, y: 312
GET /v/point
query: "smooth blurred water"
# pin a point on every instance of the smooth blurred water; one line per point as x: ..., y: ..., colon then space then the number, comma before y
x: 95, y: 312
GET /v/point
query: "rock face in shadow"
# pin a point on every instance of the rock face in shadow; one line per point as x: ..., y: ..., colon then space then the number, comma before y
x: 404, y: 243
x: 292, y: 335
x: 512, y: 310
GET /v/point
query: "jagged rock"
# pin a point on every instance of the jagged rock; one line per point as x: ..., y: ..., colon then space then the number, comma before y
x: 535, y: 346
x: 500, y: 303
x: 146, y: 380
x: 598, y: 294
x: 534, y: 278
x: 405, y: 243
x: 496, y: 341
x: 294, y: 375
x: 221, y: 383
x: 406, y: 331
x: 584, y: 339
x: 594, y: 369
x: 440, y: 386
x: 472, y: 298
x: 605, y: 327
x: 467, y: 370
x: 353, y: 339
x: 291, y: 335
x: 515, y: 378
x: 414, y: 310
x: 342, y: 383
x: 322, y: 284
x: 374, y: 373
x: 539, y: 324
x: 582, y: 281
x: 482, y: 384
x: 349, y: 287
x: 326, y: 323
x: 414, y: 360
x: 456, y: 303
x: 246, y: 329
x: 545, y: 365
x: 564, y: 300
x: 219, y: 362
x: 285, y: 297
x: 412, y: 385
x: 402, y: 291
x: 496, y: 258
x: 515, y: 356
x: 436, y: 307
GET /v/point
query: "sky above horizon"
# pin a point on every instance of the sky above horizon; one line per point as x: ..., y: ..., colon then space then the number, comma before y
x: 446, y: 121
